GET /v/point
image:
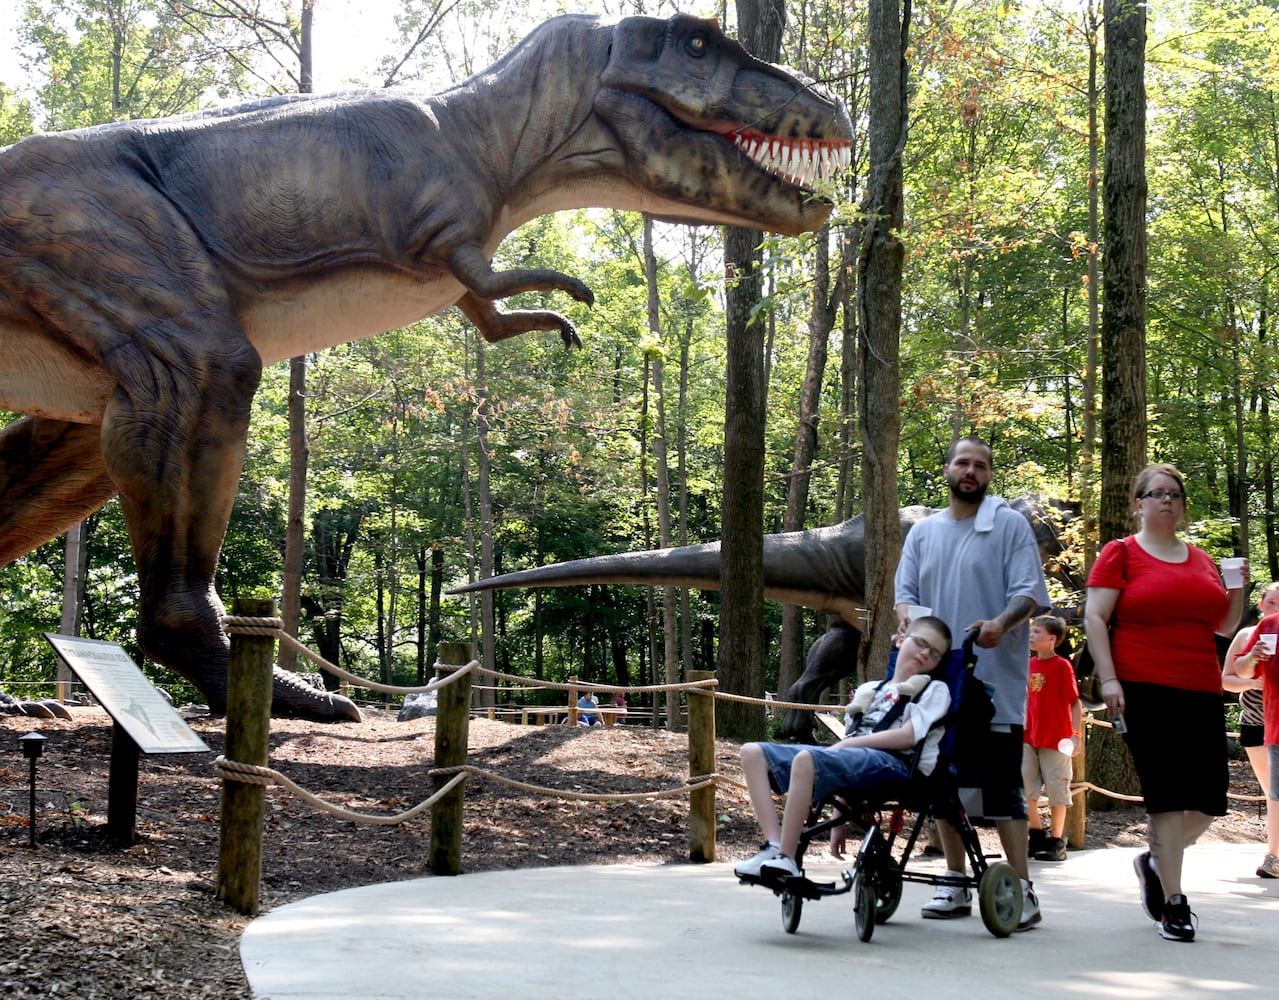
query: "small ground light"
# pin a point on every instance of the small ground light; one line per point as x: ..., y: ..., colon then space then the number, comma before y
x: 32, y: 747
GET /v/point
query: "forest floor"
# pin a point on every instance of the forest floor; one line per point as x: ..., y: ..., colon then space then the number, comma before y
x: 84, y: 919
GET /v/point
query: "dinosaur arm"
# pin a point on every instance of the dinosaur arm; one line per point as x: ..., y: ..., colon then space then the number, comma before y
x: 470, y: 266
x: 495, y: 325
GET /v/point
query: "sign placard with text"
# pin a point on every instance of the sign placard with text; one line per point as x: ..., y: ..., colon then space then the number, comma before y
x: 129, y: 698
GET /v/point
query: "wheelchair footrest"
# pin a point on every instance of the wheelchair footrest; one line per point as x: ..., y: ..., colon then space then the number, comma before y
x: 805, y: 888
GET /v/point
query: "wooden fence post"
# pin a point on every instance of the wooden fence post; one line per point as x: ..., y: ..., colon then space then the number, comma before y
x: 572, y: 700
x: 452, y: 725
x: 701, y: 760
x: 248, y: 731
x: 1077, y: 814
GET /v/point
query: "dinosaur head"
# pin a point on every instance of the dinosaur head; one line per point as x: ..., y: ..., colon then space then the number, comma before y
x: 711, y: 134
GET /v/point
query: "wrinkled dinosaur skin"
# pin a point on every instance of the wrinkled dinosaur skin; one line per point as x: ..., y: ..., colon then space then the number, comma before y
x: 149, y: 269
x: 823, y: 569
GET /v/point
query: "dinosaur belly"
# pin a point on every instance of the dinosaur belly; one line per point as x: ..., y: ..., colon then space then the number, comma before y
x: 302, y: 316
x: 42, y: 378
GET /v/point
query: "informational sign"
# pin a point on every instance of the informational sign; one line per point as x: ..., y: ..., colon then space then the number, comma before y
x: 129, y: 698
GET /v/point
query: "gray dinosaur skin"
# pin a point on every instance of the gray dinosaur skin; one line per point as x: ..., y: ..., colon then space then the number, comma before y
x: 823, y: 569
x: 149, y: 269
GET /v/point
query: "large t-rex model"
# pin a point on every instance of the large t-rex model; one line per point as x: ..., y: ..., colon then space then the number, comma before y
x: 823, y: 569
x: 148, y: 270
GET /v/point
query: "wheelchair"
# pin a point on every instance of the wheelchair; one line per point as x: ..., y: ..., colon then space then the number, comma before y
x: 879, y: 872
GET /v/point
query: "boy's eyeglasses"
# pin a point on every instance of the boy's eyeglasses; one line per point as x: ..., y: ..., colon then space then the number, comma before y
x: 932, y: 652
x: 1173, y: 495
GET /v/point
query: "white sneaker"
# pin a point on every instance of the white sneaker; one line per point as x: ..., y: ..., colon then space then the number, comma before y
x: 1030, y: 915
x: 949, y: 901
x: 751, y: 866
x: 779, y: 868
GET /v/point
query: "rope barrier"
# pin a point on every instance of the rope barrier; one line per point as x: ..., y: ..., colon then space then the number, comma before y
x: 266, y: 776
x: 253, y: 775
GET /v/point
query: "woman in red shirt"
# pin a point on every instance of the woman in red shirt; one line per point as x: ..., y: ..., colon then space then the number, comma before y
x: 1154, y: 604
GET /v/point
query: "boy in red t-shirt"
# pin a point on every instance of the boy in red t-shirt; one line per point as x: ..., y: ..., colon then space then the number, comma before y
x: 1052, y: 737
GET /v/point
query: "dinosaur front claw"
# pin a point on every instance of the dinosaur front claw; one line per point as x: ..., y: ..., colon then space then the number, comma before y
x: 568, y: 334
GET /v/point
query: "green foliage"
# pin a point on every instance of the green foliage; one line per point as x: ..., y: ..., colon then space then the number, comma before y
x: 994, y: 333
x: 108, y: 60
x: 16, y: 118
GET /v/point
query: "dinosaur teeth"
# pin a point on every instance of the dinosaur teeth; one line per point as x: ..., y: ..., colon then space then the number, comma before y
x: 796, y: 161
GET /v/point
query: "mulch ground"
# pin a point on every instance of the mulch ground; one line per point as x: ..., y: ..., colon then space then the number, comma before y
x: 83, y: 918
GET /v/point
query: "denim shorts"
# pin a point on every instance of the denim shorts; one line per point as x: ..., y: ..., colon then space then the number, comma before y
x: 849, y: 767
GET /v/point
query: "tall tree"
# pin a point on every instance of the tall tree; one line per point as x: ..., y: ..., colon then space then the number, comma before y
x: 879, y: 305
x: 1123, y: 319
x: 740, y: 662
x: 670, y: 648
x: 299, y: 448
x: 821, y: 320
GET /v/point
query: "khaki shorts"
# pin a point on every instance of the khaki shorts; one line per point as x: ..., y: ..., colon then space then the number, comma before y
x: 1047, y: 768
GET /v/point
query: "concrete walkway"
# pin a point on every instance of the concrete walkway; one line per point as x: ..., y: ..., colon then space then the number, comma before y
x: 692, y: 931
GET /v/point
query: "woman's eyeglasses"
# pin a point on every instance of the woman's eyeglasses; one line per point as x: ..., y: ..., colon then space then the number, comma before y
x: 1173, y: 495
x: 930, y: 651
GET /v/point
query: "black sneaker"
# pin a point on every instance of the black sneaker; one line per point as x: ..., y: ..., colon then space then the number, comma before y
x: 1038, y: 840
x: 1178, y: 923
x: 1152, y: 890
x: 1054, y: 849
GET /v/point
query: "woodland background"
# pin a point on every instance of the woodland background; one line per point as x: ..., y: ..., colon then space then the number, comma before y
x: 435, y: 459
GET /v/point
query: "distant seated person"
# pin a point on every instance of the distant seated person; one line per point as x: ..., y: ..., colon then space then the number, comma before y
x: 898, y: 720
x: 588, y: 701
x: 619, y: 708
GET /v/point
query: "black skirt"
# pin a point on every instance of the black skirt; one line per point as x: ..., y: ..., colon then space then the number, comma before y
x: 1177, y: 739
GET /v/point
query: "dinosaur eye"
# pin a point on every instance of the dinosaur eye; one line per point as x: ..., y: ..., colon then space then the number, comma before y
x: 696, y: 45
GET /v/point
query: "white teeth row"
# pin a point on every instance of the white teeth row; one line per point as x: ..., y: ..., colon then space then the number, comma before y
x: 797, y: 161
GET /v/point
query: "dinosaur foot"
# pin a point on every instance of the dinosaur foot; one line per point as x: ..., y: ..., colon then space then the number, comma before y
x: 45, y: 708
x: 291, y: 695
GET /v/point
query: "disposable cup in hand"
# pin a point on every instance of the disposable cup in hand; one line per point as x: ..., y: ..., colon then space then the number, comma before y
x: 917, y: 611
x: 1266, y: 644
x: 1066, y: 746
x: 1232, y: 573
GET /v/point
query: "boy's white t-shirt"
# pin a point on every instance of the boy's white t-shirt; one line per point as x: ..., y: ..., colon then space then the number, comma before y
x: 930, y: 707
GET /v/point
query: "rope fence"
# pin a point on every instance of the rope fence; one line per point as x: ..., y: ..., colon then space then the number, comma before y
x: 700, y: 785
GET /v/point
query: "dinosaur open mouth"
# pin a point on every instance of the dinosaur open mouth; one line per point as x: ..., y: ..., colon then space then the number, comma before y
x: 797, y: 161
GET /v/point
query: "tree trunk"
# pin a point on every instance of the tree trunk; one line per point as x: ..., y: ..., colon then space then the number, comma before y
x: 488, y: 624
x: 741, y: 618
x: 1087, y: 491
x: 879, y: 306
x: 1123, y: 319
x: 299, y: 447
x: 670, y: 649
x: 821, y: 319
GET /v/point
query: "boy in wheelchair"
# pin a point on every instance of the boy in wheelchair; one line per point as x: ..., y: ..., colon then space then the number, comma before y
x: 897, y: 722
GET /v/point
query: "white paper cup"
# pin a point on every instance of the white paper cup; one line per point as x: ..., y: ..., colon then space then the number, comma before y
x: 1232, y: 573
x: 1266, y: 643
x: 914, y: 611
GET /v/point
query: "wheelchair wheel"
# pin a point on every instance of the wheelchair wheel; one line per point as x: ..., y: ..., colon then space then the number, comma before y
x: 888, y: 893
x: 864, y: 904
x: 792, y: 910
x: 1000, y: 897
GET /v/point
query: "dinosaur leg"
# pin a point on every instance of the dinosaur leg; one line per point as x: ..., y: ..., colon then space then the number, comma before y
x: 51, y: 477
x: 830, y: 659
x: 178, y: 471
